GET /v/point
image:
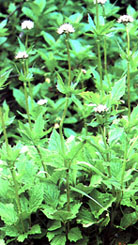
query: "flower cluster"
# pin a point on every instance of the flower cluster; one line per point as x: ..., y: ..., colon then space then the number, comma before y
x: 42, y: 101
x: 65, y: 28
x: 101, y: 109
x: 125, y: 19
x: 27, y: 24
x: 100, y: 1
x: 21, y: 55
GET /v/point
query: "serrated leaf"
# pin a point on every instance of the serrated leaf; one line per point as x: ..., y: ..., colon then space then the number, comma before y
x: 51, y: 194
x: 8, y: 213
x: 20, y: 98
x: 60, y: 84
x: 54, y: 142
x: 35, y: 229
x: 36, y: 197
x: 41, y: 4
x: 54, y: 225
x: 118, y: 90
x: 58, y: 240
x: 22, y: 237
x: 74, y: 234
x: 129, y: 219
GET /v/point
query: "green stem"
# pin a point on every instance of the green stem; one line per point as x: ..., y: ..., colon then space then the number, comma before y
x: 104, y: 134
x: 128, y: 72
x: 27, y: 106
x: 12, y: 170
x: 105, y: 61
x: 69, y: 61
x: 41, y: 159
x: 99, y: 48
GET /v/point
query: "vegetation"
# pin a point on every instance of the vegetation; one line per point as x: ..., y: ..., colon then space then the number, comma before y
x: 68, y: 123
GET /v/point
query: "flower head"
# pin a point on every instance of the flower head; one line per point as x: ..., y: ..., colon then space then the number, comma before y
x: 42, y: 101
x: 65, y: 28
x: 100, y: 1
x: 27, y: 24
x: 21, y: 55
x: 101, y: 108
x: 125, y: 19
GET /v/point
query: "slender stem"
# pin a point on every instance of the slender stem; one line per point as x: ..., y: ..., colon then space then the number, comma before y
x: 105, y: 61
x: 27, y: 106
x: 12, y: 170
x: 128, y: 72
x: 69, y: 62
x: 104, y: 137
x: 41, y: 159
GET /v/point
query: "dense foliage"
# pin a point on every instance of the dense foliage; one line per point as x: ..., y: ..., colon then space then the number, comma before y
x: 68, y: 123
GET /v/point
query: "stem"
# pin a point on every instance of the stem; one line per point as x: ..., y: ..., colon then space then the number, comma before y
x: 69, y: 63
x: 128, y: 72
x: 41, y: 159
x: 12, y: 170
x: 27, y: 107
x: 104, y: 137
x: 105, y: 61
x: 99, y: 48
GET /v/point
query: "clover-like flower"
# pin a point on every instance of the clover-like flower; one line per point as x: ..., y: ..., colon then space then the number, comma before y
x: 21, y: 55
x: 100, y: 1
x: 42, y: 101
x: 27, y: 24
x: 125, y: 19
x: 65, y: 28
x: 101, y: 109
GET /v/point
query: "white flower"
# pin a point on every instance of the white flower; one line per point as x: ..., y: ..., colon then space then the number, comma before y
x: 100, y: 1
x: 125, y: 19
x: 83, y: 71
x: 21, y: 55
x: 42, y: 101
x: 27, y: 24
x: 65, y: 28
x: 24, y: 149
x: 101, y: 108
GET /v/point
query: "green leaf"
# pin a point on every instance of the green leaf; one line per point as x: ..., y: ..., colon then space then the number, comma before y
x: 51, y: 194
x: 74, y: 234
x: 41, y: 4
x: 48, y: 38
x: 4, y: 74
x: 91, y: 23
x: 28, y: 12
x: 36, y: 197
x: 129, y: 220
x: 54, y: 225
x: 55, y: 142
x: 60, y: 85
x: 86, y: 218
x: 118, y: 90
x: 58, y: 240
x: 35, y: 229
x: 8, y: 213
x: 2, y: 242
x: 20, y: 98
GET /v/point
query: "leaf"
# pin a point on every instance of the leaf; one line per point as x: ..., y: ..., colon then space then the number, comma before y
x: 91, y: 23
x: 48, y: 38
x: 74, y: 234
x: 54, y: 225
x: 8, y: 213
x: 128, y: 220
x: 54, y: 142
x: 35, y: 229
x: 4, y: 74
x: 86, y: 218
x: 58, y: 240
x: 41, y: 4
x: 2, y: 242
x: 28, y: 12
x: 20, y: 98
x: 118, y: 90
x: 60, y: 85
x: 36, y: 197
x: 51, y: 194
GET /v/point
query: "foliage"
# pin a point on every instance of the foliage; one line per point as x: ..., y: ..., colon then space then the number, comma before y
x: 68, y: 123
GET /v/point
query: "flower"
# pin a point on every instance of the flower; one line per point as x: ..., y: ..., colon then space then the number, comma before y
x: 27, y: 24
x: 101, y: 108
x: 125, y: 19
x: 65, y: 28
x: 100, y: 1
x: 83, y: 71
x: 21, y: 55
x: 42, y: 101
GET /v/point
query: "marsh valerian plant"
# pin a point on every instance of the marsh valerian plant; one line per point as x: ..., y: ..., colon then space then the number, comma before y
x: 68, y: 153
